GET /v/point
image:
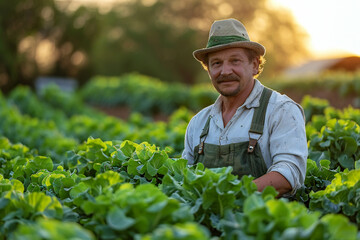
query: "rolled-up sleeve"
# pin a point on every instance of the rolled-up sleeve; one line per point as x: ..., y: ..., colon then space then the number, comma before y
x: 288, y: 143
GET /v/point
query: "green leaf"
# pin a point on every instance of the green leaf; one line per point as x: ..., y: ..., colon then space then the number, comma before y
x: 151, y: 169
x: 117, y: 219
x: 350, y: 145
x: 330, y: 206
x: 78, y: 190
x: 96, y: 144
x: 339, y: 227
x: 325, y: 144
x: 253, y: 202
x: 128, y: 148
x: 119, y: 156
x: 280, y: 210
x: 349, y: 210
x: 357, y: 164
x: 132, y: 167
x: 67, y: 182
x: 346, y: 162
x: 269, y: 193
x: 4, y: 202
x: 38, y: 163
x: 158, y: 207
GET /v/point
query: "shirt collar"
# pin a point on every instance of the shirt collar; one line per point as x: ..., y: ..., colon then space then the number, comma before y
x: 253, y: 99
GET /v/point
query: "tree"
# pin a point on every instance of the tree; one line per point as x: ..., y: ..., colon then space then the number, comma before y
x: 19, y: 24
x: 152, y: 37
x: 157, y: 37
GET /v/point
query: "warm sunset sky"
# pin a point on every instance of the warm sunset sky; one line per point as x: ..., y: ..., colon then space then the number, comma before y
x: 333, y: 25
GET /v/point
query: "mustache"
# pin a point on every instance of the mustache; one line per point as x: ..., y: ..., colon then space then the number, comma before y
x: 228, y: 78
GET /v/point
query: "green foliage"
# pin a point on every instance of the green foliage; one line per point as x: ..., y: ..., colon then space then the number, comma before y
x: 132, y: 210
x: 339, y: 142
x: 138, y: 163
x: 342, y: 195
x: 318, y: 177
x: 21, y: 208
x: 313, y: 106
x: 117, y: 188
x: 34, y: 132
x: 132, y: 89
x: 178, y: 231
x: 268, y: 218
x: 80, y: 122
x: 51, y: 229
x: 55, y: 183
x: 208, y: 192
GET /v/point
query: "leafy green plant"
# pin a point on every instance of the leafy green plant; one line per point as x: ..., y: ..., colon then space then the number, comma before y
x: 208, y: 192
x: 178, y: 231
x: 264, y: 217
x: 341, y: 196
x: 51, y: 229
x: 313, y: 106
x: 132, y: 89
x: 318, y: 177
x: 127, y: 211
x: 339, y: 142
x: 19, y: 208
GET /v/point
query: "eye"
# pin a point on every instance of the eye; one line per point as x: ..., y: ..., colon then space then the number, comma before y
x: 215, y: 63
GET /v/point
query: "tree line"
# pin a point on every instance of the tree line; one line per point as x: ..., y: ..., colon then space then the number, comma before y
x: 151, y: 37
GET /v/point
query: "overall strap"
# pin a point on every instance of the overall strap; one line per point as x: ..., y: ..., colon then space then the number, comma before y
x: 257, y: 124
x: 204, y: 133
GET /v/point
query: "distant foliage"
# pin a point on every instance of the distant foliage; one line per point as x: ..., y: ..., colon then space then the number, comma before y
x: 147, y: 95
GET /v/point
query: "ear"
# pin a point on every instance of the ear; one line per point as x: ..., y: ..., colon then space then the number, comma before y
x: 255, y: 65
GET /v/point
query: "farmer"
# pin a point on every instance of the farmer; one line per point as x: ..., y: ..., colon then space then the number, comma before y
x: 254, y: 129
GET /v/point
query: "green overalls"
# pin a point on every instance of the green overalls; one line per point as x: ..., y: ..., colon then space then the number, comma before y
x: 244, y: 157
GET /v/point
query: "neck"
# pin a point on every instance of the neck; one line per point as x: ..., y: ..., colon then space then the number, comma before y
x: 231, y: 104
x: 234, y: 102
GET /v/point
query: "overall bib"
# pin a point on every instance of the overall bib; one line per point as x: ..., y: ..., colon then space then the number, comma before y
x: 244, y: 157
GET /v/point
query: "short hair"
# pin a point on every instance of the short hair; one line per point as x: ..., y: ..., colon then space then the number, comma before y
x: 251, y: 55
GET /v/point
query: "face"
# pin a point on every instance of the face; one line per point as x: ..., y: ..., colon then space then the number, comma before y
x: 231, y: 72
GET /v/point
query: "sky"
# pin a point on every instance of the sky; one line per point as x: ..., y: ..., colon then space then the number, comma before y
x: 333, y: 25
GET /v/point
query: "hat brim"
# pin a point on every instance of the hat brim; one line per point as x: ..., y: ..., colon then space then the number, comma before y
x: 201, y: 54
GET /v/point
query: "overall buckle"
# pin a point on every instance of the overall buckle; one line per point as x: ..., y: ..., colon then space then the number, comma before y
x: 253, y: 139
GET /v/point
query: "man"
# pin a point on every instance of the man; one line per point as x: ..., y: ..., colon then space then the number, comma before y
x: 254, y: 129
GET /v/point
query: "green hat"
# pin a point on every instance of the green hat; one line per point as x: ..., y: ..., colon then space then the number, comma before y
x: 228, y: 33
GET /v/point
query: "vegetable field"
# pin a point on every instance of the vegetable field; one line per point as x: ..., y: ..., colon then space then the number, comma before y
x: 71, y: 172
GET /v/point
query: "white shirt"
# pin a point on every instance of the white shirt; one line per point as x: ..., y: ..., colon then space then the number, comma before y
x: 283, y: 143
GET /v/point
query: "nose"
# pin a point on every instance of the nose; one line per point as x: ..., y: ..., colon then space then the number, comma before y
x: 226, y: 69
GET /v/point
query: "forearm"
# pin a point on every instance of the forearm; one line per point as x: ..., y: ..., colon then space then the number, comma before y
x: 275, y: 179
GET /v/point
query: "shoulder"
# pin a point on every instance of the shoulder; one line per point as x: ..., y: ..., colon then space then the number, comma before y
x: 201, y: 116
x: 284, y: 113
x: 280, y: 101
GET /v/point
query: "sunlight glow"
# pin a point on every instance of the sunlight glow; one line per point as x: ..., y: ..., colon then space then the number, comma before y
x: 331, y: 24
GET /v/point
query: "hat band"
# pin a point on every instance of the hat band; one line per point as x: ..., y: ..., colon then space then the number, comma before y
x: 219, y: 40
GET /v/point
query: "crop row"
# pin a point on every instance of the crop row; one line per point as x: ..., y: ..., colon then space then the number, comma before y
x: 74, y: 172
x: 135, y: 191
x: 131, y: 90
